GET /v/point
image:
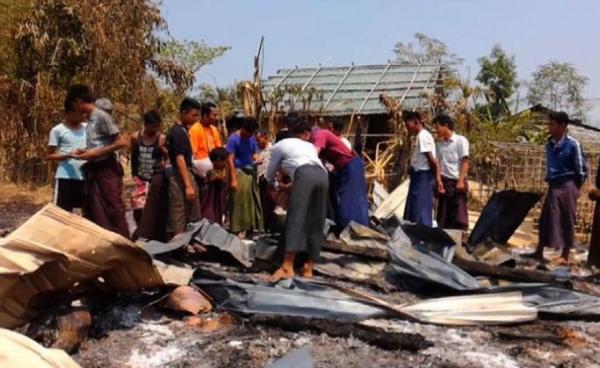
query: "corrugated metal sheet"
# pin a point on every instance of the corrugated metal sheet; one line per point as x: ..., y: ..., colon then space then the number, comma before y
x: 348, y: 89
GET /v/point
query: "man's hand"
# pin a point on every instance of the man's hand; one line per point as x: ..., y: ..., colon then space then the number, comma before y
x: 190, y: 194
x: 460, y: 185
x: 440, y: 187
x: 86, y: 155
x: 233, y: 185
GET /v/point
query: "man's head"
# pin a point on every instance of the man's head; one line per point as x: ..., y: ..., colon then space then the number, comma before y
x: 72, y: 116
x: 301, y: 129
x: 218, y: 156
x: 189, y: 111
x: 558, y: 121
x: 444, y: 126
x: 81, y: 98
x: 336, y: 127
x: 412, y: 122
x: 209, y: 114
x: 262, y: 138
x: 152, y: 122
x: 248, y: 128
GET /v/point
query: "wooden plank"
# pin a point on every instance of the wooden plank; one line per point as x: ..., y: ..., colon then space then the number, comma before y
x: 359, y: 250
x: 514, y: 274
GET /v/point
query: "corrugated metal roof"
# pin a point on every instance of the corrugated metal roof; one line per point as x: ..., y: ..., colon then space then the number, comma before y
x: 354, y: 88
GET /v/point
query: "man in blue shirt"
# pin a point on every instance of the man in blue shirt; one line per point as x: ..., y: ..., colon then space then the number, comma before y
x: 566, y: 170
x: 246, y: 209
x: 64, y: 141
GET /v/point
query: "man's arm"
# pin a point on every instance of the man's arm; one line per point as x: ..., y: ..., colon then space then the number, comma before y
x: 464, y: 169
x: 119, y: 142
x: 273, y: 166
x: 232, y: 173
x: 162, y: 144
x: 463, y: 152
x: 182, y: 169
x: 53, y: 154
x: 433, y: 163
x: 580, y: 164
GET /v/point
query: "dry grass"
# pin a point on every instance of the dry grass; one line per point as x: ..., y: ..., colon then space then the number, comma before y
x: 29, y: 194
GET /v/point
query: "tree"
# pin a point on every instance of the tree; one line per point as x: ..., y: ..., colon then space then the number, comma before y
x: 428, y: 51
x: 11, y: 14
x: 119, y: 48
x: 558, y: 86
x: 499, y: 75
x: 189, y: 55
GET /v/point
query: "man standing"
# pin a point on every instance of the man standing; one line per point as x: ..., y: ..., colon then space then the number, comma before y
x: 453, y: 156
x: 350, y: 186
x: 307, y: 205
x: 184, y: 203
x: 424, y: 172
x: 246, y: 210
x: 204, y: 137
x: 103, y: 173
x: 65, y: 139
x: 566, y: 170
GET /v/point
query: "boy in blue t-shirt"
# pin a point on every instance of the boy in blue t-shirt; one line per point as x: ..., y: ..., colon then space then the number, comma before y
x: 245, y: 210
x: 65, y: 139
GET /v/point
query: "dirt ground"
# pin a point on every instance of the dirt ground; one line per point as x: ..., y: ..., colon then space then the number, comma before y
x: 132, y: 333
x: 18, y: 202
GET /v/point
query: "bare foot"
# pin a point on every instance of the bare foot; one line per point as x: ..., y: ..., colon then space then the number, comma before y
x: 281, y: 274
x: 307, y: 271
x: 560, y: 261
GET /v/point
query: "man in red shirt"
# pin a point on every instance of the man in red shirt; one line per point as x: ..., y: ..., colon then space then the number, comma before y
x: 350, y: 186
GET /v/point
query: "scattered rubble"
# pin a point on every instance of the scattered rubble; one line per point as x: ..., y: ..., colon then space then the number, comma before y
x: 387, y: 294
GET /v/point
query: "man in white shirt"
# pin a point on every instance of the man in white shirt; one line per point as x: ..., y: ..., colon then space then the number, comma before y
x: 307, y: 204
x: 424, y: 172
x: 453, y: 155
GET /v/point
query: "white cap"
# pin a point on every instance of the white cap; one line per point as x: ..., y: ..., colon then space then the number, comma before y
x: 104, y: 104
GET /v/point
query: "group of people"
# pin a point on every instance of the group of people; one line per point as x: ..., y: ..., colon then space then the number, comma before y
x: 437, y: 170
x: 194, y: 172
x: 238, y: 181
x: 440, y: 170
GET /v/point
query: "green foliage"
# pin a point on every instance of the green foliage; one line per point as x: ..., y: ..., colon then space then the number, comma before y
x: 190, y: 56
x: 228, y: 99
x: 117, y: 47
x: 427, y: 51
x: 499, y: 76
x: 558, y: 86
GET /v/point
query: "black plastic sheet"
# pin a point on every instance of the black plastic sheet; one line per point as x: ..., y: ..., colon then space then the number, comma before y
x: 418, y: 262
x: 502, y: 215
x: 294, y: 298
x: 209, y: 235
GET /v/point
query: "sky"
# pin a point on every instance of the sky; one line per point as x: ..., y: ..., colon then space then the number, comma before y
x: 307, y: 33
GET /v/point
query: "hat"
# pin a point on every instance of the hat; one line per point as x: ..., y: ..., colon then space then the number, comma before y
x: 560, y: 117
x: 104, y: 104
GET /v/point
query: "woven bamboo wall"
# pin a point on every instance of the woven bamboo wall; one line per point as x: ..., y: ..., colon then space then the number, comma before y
x: 523, y: 167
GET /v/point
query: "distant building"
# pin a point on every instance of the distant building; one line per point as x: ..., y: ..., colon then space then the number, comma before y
x: 346, y: 91
x: 587, y: 134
